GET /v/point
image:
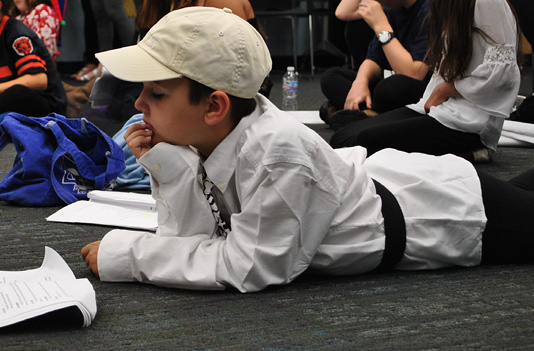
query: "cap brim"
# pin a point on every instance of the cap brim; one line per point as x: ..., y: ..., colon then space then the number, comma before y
x: 133, y: 64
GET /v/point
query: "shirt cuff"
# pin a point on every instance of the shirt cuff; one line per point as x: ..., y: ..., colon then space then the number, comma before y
x: 114, y: 255
x: 164, y: 162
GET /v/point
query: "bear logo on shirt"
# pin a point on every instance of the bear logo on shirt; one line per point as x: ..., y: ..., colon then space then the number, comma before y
x: 23, y: 46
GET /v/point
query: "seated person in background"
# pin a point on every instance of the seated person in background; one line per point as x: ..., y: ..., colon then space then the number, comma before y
x: 29, y: 81
x: 284, y: 200
x: 474, y: 56
x: 152, y: 11
x: 40, y: 17
x: 400, y: 44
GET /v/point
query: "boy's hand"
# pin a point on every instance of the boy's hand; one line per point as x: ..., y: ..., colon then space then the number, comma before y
x: 90, y: 255
x: 139, y: 138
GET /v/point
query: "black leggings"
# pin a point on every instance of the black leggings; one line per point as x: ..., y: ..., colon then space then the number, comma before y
x: 406, y: 130
x: 387, y: 94
x: 509, y: 207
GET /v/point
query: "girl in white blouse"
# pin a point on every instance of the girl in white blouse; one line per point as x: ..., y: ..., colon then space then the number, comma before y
x: 473, y: 52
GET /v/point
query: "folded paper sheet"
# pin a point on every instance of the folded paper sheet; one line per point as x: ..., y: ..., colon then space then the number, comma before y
x: 51, y: 287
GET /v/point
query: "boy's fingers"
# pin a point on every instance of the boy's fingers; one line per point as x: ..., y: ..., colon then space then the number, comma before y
x: 134, y: 128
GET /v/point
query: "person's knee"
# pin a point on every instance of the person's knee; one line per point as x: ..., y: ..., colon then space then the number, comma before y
x: 395, y: 92
x: 14, y: 96
x: 387, y: 86
x: 383, y: 94
x: 348, y: 137
x: 16, y: 91
x: 23, y: 100
x: 329, y: 78
x: 345, y: 137
x: 367, y: 140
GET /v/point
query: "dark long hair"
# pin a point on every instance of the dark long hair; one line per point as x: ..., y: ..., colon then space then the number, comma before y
x: 450, y: 36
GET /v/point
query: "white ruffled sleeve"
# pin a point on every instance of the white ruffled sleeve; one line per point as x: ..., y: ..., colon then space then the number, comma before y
x: 493, y: 78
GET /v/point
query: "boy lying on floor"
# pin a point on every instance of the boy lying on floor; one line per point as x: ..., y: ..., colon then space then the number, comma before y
x: 248, y: 197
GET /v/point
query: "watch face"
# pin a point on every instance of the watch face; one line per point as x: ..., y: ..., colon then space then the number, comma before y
x: 384, y: 37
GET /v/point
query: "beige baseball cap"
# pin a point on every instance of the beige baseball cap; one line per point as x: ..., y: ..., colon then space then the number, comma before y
x: 211, y: 46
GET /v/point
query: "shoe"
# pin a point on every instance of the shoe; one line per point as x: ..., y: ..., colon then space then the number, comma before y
x: 345, y: 117
x: 483, y: 155
x: 90, y: 75
x: 84, y: 70
x: 326, y: 111
x: 370, y: 113
x: 88, y: 72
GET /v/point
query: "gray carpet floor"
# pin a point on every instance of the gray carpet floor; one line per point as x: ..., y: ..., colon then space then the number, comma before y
x: 483, y: 308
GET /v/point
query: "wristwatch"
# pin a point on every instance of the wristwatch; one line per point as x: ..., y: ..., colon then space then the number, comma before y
x: 385, y: 37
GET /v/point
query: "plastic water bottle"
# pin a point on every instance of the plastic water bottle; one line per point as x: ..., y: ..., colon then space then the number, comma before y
x: 290, y: 86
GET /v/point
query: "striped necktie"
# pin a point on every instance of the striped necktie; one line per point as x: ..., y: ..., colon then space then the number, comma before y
x: 222, y: 227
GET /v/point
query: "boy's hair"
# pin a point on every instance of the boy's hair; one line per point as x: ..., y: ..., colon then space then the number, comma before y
x: 239, y: 107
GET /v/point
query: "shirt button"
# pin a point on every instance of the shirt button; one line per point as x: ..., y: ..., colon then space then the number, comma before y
x: 222, y: 186
x: 157, y: 167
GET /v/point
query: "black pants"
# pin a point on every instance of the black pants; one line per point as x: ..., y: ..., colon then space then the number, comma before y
x: 25, y: 101
x: 509, y: 207
x: 387, y: 94
x: 406, y: 130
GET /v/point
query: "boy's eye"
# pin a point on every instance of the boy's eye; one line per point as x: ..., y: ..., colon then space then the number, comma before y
x: 157, y: 96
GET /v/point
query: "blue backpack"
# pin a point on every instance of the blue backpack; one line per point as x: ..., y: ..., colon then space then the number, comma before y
x: 58, y: 160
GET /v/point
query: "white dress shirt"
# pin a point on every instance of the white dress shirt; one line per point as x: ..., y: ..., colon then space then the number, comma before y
x: 492, y: 79
x: 295, y: 203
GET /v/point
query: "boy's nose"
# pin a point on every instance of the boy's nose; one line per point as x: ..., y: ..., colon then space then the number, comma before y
x: 140, y: 103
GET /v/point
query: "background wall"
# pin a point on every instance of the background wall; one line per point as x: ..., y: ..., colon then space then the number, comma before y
x: 72, y: 40
x: 278, y: 31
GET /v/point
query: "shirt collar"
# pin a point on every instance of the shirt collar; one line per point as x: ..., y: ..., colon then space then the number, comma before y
x: 220, y: 165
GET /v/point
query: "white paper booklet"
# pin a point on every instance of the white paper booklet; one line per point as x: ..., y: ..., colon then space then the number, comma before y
x: 111, y: 208
x: 52, y: 287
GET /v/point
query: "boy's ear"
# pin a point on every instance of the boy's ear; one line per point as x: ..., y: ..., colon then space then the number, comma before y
x: 218, y: 109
